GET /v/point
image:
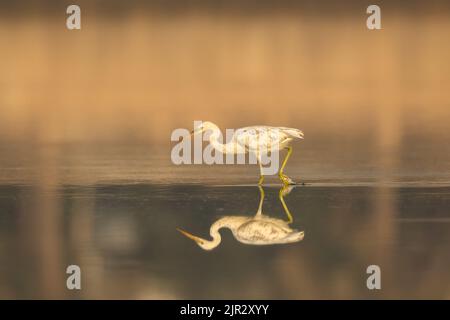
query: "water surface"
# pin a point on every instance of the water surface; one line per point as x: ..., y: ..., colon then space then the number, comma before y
x: 114, y: 212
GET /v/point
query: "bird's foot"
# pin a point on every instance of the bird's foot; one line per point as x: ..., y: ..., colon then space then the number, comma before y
x: 286, y: 189
x: 286, y: 180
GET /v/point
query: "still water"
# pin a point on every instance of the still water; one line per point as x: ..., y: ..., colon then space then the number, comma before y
x: 115, y: 211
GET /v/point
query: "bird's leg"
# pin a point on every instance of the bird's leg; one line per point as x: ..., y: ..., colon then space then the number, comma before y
x: 261, y: 200
x: 261, y: 176
x: 284, y: 178
x: 284, y: 190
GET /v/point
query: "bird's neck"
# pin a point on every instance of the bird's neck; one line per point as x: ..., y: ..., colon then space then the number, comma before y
x: 225, y: 222
x: 215, y: 139
x: 215, y: 235
x: 216, y: 239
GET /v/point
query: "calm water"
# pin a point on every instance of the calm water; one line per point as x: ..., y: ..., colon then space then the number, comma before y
x: 114, y: 212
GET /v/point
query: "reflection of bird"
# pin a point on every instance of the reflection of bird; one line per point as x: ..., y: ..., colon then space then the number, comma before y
x: 257, y: 230
x: 255, y: 139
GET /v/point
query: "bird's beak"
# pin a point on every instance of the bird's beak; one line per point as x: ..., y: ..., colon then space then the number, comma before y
x: 189, y: 135
x: 198, y: 240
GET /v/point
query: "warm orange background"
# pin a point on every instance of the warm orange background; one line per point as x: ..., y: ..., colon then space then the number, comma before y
x: 137, y: 71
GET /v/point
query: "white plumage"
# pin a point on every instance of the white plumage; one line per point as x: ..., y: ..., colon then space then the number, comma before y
x: 257, y: 230
x: 255, y: 139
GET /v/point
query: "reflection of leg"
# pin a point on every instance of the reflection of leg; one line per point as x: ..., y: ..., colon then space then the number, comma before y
x: 284, y: 178
x: 261, y: 176
x: 281, y: 196
x: 261, y: 200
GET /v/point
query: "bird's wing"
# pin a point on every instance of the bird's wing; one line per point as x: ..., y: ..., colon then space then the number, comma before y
x: 260, y: 138
x: 261, y: 232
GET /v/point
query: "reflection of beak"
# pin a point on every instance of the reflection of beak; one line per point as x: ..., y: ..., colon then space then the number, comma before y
x: 191, y: 236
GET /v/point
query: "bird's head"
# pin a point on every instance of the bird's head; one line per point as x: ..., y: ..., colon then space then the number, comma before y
x: 202, y: 243
x: 203, y: 126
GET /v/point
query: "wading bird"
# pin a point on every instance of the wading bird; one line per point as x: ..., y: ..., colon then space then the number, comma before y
x: 255, y: 139
x: 257, y: 230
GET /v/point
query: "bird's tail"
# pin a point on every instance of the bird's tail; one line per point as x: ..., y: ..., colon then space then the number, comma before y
x: 296, y: 133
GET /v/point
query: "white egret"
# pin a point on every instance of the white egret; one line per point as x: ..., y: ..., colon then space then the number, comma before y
x: 257, y: 230
x: 255, y: 139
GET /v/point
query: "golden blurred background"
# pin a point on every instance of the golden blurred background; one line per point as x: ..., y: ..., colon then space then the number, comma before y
x: 137, y: 70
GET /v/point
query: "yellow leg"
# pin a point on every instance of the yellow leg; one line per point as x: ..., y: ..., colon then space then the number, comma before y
x: 261, y: 200
x: 284, y: 178
x: 261, y: 176
x: 261, y: 180
x: 281, y: 197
